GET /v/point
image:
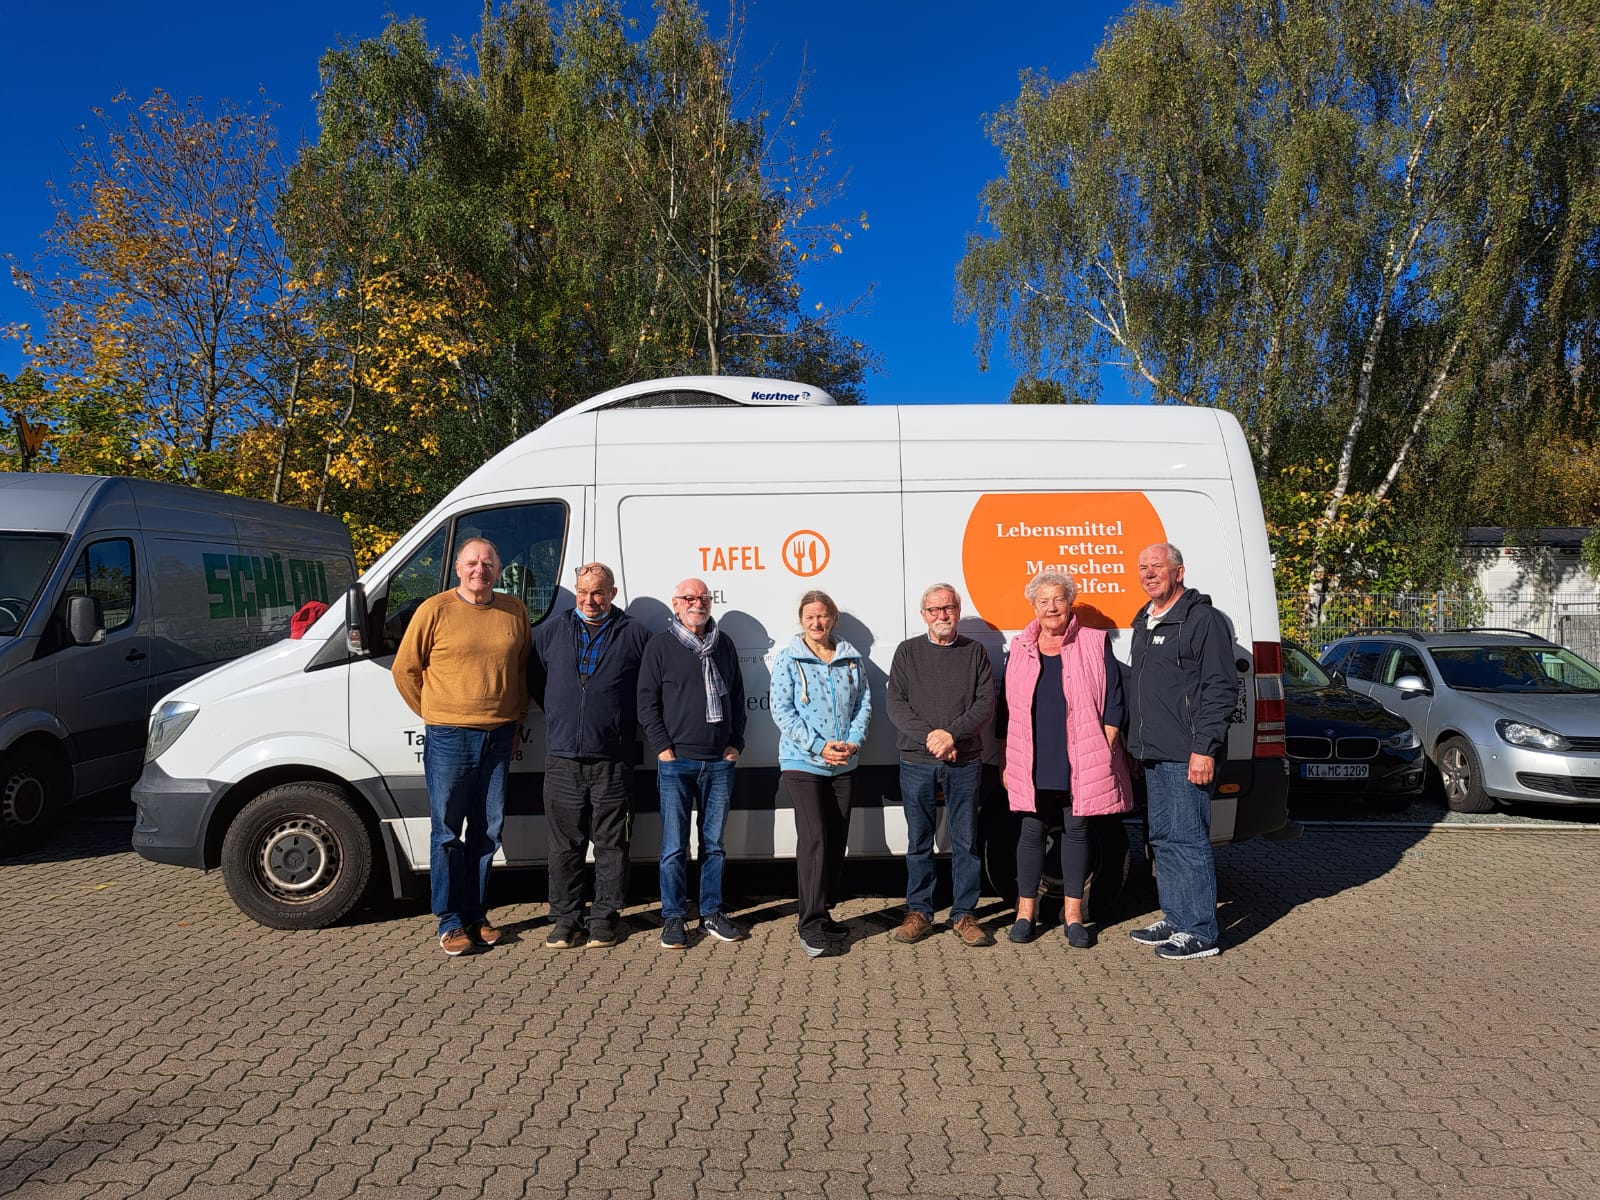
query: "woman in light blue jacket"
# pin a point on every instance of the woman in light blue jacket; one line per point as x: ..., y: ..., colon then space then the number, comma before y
x: 821, y: 703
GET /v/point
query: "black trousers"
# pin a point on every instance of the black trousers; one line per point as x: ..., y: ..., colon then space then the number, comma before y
x: 587, y: 800
x: 1052, y: 808
x: 821, y: 825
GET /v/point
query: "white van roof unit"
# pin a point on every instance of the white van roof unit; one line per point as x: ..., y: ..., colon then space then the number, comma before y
x: 706, y: 391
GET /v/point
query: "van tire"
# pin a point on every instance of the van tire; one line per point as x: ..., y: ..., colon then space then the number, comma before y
x: 32, y: 793
x: 298, y: 856
x: 1461, y: 777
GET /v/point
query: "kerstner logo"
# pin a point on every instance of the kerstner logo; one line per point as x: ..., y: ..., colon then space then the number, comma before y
x: 780, y: 395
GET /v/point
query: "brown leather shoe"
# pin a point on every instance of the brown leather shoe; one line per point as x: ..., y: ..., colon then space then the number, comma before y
x: 486, y: 934
x: 971, y: 933
x: 914, y: 928
x: 455, y: 942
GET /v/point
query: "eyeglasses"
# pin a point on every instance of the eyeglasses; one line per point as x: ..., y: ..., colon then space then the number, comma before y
x: 697, y: 601
x: 942, y: 610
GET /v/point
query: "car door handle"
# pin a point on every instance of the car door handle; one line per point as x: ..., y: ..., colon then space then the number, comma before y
x: 135, y: 655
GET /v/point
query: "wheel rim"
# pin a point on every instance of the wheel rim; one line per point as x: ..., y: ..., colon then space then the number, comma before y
x: 1454, y: 773
x: 298, y: 858
x: 23, y: 801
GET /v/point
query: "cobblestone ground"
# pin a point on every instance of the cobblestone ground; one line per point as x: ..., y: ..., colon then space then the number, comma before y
x: 1395, y: 1015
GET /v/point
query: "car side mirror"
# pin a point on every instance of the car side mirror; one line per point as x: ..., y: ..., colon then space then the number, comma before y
x: 86, y: 622
x: 1412, y: 685
x: 1337, y: 676
x: 356, y: 633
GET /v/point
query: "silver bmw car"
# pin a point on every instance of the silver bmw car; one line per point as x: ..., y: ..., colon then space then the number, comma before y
x: 1503, y: 715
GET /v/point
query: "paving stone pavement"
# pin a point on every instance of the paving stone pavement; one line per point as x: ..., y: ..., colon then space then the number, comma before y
x: 1397, y: 1014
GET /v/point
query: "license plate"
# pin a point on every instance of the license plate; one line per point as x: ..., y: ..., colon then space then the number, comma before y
x: 1333, y: 770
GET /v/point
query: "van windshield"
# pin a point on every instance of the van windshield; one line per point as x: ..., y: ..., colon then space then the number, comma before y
x: 25, y: 562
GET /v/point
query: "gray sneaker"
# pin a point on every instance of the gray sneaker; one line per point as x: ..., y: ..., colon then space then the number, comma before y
x: 1158, y: 934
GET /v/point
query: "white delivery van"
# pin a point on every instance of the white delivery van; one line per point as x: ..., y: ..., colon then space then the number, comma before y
x: 115, y: 591
x: 299, y: 770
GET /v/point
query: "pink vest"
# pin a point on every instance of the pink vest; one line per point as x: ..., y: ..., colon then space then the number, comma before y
x: 1099, y: 773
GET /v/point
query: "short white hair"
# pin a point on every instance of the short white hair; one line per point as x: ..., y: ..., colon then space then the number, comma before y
x: 1174, y: 555
x: 1060, y: 579
x: 939, y: 587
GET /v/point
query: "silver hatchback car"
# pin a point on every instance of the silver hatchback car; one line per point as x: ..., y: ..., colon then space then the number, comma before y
x: 1503, y: 715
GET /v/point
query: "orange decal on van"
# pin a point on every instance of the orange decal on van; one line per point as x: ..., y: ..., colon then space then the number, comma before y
x: 1094, y: 536
x: 805, y: 553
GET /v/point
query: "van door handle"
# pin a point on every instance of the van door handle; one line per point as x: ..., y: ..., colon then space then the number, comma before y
x: 135, y: 655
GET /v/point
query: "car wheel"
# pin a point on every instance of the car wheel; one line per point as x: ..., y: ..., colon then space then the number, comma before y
x: 33, y: 790
x: 1111, y: 866
x: 1461, y: 779
x: 998, y: 830
x: 297, y: 857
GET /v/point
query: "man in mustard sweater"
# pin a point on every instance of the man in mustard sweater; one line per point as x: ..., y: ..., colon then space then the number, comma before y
x: 463, y: 668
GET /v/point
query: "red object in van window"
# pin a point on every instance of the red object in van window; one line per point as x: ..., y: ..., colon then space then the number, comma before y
x: 1269, y: 699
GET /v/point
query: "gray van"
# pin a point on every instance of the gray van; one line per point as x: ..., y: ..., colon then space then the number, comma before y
x: 113, y: 592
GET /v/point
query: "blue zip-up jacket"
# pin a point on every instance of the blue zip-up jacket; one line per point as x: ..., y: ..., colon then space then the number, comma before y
x: 814, y: 703
x: 597, y: 719
x: 1183, y: 683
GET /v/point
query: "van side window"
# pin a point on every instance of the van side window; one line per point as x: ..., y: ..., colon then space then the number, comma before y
x: 105, y: 571
x: 420, y: 576
x: 531, y: 539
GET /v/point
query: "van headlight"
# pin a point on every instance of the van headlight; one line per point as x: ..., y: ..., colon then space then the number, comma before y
x: 167, y: 724
x: 1404, y: 740
x: 1520, y: 733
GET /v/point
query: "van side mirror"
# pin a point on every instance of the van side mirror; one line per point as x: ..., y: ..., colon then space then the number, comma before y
x: 86, y: 622
x: 1412, y: 685
x: 356, y: 633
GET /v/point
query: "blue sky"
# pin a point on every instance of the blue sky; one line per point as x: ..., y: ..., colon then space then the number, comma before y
x: 904, y: 87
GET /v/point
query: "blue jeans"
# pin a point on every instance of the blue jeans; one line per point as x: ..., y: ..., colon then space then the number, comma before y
x: 959, y: 783
x: 1180, y: 835
x: 682, y: 784
x: 466, y: 774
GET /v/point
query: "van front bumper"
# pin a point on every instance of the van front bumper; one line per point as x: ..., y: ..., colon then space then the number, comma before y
x: 170, y: 817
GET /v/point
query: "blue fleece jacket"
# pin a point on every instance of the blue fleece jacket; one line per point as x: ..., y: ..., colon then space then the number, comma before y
x: 814, y: 703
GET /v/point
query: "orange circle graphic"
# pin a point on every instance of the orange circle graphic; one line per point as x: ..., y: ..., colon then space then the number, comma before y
x: 1094, y: 536
x: 805, y: 553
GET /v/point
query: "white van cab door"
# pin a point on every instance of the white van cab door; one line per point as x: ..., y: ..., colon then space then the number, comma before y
x: 536, y: 537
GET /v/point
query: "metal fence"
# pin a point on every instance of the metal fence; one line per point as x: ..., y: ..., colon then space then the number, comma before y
x: 1574, y: 623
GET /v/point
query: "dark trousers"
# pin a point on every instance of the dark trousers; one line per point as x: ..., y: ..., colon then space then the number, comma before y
x: 821, y: 825
x: 1051, y: 808
x: 587, y: 800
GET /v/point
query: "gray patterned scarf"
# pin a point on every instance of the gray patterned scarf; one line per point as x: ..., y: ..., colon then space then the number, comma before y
x: 716, y: 689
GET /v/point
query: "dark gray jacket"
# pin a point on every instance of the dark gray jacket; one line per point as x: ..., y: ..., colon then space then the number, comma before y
x: 597, y: 719
x: 1183, y: 684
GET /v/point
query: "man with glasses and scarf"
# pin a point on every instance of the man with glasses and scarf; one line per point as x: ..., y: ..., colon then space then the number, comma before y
x: 691, y: 705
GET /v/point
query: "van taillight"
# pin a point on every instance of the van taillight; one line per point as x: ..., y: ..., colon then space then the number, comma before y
x: 1269, y: 699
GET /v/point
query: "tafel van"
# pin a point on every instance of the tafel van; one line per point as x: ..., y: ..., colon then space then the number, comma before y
x: 299, y: 770
x: 113, y: 592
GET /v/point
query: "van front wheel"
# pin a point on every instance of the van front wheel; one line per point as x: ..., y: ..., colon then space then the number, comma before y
x: 297, y: 857
x: 33, y: 789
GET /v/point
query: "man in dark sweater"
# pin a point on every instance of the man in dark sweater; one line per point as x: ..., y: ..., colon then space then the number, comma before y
x: 691, y: 704
x: 584, y: 672
x: 941, y: 696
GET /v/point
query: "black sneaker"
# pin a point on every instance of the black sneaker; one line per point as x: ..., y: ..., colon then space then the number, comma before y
x: 1021, y: 931
x: 1079, y: 937
x: 1186, y: 945
x: 672, y: 935
x: 602, y: 933
x: 815, y: 949
x: 835, y: 931
x: 561, y: 937
x: 724, y: 930
x: 1154, y: 935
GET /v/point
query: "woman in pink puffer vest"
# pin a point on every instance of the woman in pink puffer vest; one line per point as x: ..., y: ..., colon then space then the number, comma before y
x: 1064, y: 760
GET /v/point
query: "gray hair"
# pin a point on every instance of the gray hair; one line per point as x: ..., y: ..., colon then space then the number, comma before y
x: 596, y: 568
x: 1174, y: 555
x: 475, y: 541
x: 1060, y: 579
x: 938, y: 587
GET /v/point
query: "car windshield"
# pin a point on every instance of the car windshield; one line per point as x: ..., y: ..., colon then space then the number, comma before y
x: 1301, y: 670
x: 25, y: 562
x: 1520, y: 669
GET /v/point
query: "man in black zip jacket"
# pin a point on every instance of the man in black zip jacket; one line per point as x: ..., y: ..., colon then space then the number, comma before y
x: 1182, y: 691
x: 585, y: 675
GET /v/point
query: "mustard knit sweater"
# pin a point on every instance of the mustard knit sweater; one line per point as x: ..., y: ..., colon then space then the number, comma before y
x: 465, y: 664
